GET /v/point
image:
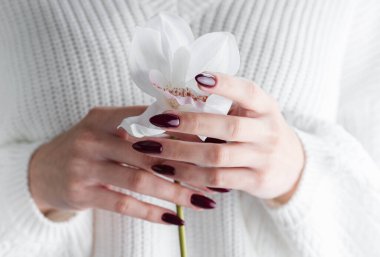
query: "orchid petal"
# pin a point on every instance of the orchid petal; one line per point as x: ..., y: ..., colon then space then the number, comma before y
x: 175, y: 33
x: 217, y: 52
x: 146, y: 54
x: 139, y: 126
x: 181, y: 61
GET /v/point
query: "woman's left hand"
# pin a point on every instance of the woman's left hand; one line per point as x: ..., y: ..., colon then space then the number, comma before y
x: 263, y: 155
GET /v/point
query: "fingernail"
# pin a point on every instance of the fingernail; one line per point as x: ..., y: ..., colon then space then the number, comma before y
x: 147, y: 146
x: 214, y: 140
x: 172, y: 219
x: 165, y: 120
x: 202, y: 201
x: 163, y: 169
x: 219, y: 189
x: 206, y: 80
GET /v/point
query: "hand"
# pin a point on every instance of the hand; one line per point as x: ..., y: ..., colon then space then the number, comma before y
x: 263, y: 156
x: 78, y: 168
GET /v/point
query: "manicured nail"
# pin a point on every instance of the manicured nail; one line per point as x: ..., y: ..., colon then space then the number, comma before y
x: 206, y: 80
x: 214, y: 140
x: 219, y: 189
x: 202, y: 201
x: 147, y: 146
x: 172, y: 219
x: 165, y: 120
x: 164, y: 169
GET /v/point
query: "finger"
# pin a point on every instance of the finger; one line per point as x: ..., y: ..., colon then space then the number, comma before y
x: 119, y: 150
x: 209, y: 155
x: 145, y: 183
x: 230, y: 178
x: 120, y: 203
x: 122, y: 153
x: 242, y: 91
x: 226, y: 127
x: 108, y: 118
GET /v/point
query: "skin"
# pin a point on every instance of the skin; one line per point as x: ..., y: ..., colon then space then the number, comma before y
x: 263, y: 157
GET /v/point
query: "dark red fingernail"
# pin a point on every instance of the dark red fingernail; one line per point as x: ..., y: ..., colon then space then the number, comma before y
x: 206, y: 80
x: 214, y: 140
x: 164, y: 169
x: 219, y: 189
x: 202, y: 201
x: 165, y: 120
x: 172, y: 219
x: 147, y: 146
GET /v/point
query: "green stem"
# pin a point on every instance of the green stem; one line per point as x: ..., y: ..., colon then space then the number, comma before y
x: 181, y: 230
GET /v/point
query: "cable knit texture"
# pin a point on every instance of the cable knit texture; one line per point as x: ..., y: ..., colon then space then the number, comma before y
x: 319, y: 59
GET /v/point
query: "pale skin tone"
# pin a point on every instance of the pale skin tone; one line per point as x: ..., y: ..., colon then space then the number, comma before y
x: 263, y: 157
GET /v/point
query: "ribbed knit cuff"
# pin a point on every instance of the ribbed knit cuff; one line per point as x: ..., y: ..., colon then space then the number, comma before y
x: 319, y: 162
x: 20, y: 214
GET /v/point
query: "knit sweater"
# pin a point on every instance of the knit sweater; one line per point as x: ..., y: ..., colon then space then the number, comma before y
x: 319, y: 59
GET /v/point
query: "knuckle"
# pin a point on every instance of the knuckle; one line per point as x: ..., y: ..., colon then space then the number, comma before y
x: 261, y: 180
x: 149, y: 214
x: 75, y: 195
x: 82, y: 142
x: 234, y: 128
x: 123, y: 205
x: 87, y: 136
x: 174, y: 153
x: 216, y: 178
x: 193, y: 122
x: 94, y: 112
x: 219, y: 156
x: 251, y: 89
x: 178, y: 193
x: 138, y: 180
x: 147, y: 161
x: 273, y: 140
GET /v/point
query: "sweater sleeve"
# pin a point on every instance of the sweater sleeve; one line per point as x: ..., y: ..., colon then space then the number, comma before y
x: 336, y: 208
x: 24, y: 231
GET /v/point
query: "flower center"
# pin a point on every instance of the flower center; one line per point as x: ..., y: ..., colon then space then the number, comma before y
x: 182, y: 92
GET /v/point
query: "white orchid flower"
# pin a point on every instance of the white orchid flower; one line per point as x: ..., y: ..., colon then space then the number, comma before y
x: 164, y: 62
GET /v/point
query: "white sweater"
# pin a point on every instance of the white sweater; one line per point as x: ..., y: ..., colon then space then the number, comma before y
x: 319, y: 59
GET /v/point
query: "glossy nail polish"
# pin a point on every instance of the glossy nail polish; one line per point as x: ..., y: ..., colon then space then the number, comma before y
x: 206, y: 80
x: 172, y: 219
x: 214, y: 140
x: 147, y: 146
x: 219, y: 189
x: 163, y: 169
x: 165, y: 120
x: 202, y: 201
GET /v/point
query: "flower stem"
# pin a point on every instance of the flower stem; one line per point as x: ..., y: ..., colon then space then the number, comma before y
x: 181, y: 230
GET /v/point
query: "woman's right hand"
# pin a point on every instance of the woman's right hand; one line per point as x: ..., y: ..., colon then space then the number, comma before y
x: 77, y: 169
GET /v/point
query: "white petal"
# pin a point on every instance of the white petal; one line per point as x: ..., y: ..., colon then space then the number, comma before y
x: 157, y: 78
x: 139, y: 126
x: 145, y: 55
x: 217, y: 52
x: 181, y: 60
x: 175, y: 32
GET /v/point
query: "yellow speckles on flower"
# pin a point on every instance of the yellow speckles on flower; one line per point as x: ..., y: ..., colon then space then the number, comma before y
x: 184, y: 92
x: 173, y: 103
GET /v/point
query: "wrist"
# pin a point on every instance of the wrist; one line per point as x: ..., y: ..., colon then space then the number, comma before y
x: 300, y: 156
x: 34, y: 183
x: 284, y: 198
